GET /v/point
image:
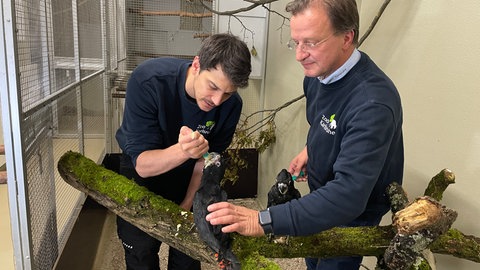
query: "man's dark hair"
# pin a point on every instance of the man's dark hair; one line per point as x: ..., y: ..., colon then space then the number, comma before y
x: 343, y: 14
x: 230, y: 53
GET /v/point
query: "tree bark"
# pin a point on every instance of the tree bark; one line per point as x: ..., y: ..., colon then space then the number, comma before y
x: 417, y: 226
x: 439, y: 184
x: 174, y: 226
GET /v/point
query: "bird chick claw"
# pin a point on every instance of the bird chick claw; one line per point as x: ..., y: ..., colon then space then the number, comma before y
x: 281, y: 240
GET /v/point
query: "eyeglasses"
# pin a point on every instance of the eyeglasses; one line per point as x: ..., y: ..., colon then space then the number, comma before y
x: 306, y: 46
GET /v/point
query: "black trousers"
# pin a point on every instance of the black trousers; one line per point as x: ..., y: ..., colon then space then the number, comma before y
x: 141, y: 250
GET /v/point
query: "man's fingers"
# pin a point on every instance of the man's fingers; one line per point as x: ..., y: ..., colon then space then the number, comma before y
x: 195, y: 134
x: 184, y: 130
x: 216, y: 206
x: 230, y: 228
x: 220, y: 213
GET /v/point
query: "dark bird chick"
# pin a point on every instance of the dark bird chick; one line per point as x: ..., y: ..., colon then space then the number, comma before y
x: 210, y: 192
x: 283, y: 190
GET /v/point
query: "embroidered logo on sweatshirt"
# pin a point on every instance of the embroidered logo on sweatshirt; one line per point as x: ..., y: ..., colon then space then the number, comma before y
x: 329, y: 124
x: 333, y: 123
x: 207, y: 128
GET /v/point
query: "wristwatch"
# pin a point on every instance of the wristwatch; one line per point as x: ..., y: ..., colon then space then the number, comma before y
x: 265, y: 221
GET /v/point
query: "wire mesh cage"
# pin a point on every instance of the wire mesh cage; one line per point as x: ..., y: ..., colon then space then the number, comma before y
x: 60, y: 51
x: 72, y: 61
x: 70, y: 55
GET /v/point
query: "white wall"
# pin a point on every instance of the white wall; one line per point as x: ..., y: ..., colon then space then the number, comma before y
x: 431, y: 50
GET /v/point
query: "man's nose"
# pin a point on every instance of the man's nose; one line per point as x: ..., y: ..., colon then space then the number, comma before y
x: 300, y: 53
x: 217, y: 98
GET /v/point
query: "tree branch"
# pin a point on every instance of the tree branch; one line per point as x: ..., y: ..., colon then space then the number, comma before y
x: 169, y: 223
x: 439, y: 184
x: 235, y: 11
x: 374, y: 22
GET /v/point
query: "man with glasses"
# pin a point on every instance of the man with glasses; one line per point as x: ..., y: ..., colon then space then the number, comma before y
x: 354, y: 147
x: 175, y: 111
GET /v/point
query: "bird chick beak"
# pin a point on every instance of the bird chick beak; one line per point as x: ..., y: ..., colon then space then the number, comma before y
x: 212, y: 158
x: 282, y: 188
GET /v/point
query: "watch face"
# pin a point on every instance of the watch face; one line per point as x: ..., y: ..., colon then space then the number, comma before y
x: 265, y: 217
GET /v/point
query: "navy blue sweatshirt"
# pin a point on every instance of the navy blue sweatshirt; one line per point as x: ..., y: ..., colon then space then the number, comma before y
x: 157, y: 106
x: 355, y: 150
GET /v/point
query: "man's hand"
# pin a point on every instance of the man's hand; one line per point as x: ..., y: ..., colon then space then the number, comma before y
x: 235, y: 219
x: 298, y: 166
x: 193, y: 144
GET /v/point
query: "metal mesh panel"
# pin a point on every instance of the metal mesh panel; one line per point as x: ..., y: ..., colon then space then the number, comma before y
x: 60, y: 51
x: 66, y: 137
x: 41, y: 196
x: 64, y: 64
x: 66, y: 116
x: 32, y: 43
x: 90, y: 37
x: 165, y: 28
x: 93, y: 114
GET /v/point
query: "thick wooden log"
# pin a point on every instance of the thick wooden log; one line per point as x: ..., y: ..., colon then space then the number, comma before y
x: 167, y: 222
x: 153, y: 214
x: 399, y: 200
x: 424, y: 213
x: 417, y: 226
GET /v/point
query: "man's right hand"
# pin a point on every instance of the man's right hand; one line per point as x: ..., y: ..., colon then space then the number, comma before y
x: 193, y: 144
x: 298, y: 165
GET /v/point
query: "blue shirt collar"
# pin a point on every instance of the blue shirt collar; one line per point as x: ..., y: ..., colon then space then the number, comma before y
x: 343, y: 70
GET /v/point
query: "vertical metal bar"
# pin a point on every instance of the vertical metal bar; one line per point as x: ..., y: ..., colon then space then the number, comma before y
x: 51, y: 59
x: 215, y: 17
x: 50, y: 46
x: 76, y: 52
x: 107, y: 97
x: 11, y: 112
x: 46, y: 83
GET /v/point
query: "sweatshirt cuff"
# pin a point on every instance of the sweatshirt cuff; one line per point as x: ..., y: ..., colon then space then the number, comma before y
x: 281, y: 219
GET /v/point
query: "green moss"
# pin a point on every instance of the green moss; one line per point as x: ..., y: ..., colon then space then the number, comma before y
x: 256, y: 261
x: 454, y: 233
x: 124, y: 192
x: 423, y: 265
x: 345, y: 241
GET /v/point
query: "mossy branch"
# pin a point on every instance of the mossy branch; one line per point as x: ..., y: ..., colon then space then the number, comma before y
x: 172, y: 225
x: 439, y: 184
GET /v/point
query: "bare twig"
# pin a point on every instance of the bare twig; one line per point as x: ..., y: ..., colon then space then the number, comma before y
x: 170, y: 13
x: 374, y: 22
x: 235, y: 11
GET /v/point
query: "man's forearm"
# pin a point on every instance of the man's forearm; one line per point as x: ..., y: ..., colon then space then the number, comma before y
x: 194, y: 185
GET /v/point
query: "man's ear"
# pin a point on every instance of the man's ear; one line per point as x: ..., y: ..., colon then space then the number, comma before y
x: 348, y: 38
x: 196, y: 64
